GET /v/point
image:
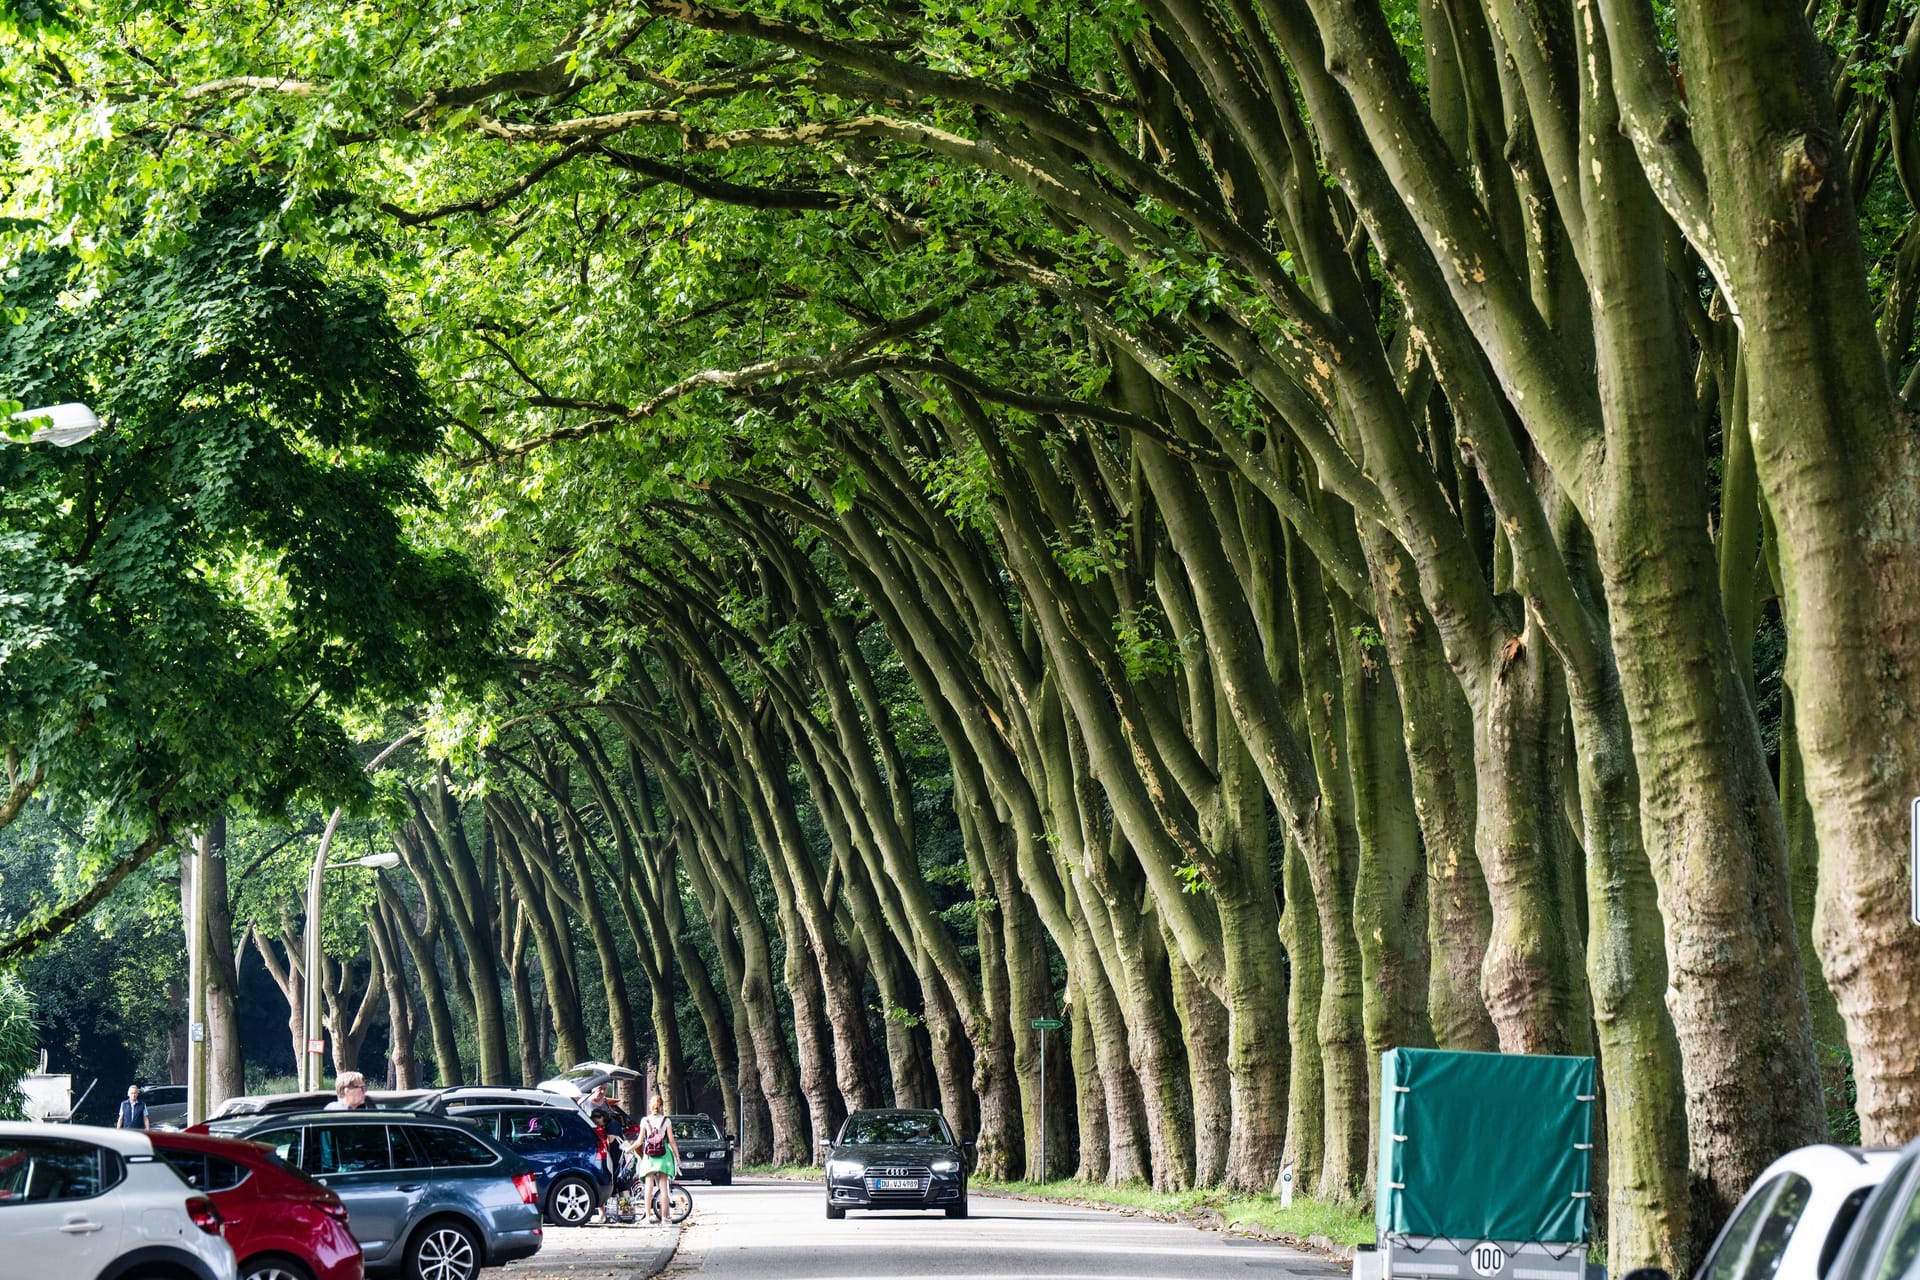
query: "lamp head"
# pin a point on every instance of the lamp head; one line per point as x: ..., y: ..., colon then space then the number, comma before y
x: 60, y: 424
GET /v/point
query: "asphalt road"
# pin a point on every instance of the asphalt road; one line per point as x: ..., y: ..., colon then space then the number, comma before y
x: 760, y: 1229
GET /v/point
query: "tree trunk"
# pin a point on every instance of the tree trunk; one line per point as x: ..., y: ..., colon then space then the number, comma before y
x: 1839, y: 465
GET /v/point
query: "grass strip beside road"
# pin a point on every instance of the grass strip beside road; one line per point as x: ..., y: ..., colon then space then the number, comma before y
x: 1317, y: 1224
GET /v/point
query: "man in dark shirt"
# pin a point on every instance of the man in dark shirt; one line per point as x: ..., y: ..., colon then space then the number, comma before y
x: 133, y: 1112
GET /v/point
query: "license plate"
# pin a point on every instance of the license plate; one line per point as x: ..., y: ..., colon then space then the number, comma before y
x: 896, y: 1184
x: 693, y: 1164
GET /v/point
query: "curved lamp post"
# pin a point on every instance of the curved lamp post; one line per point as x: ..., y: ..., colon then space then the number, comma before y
x: 66, y: 424
x: 310, y: 1060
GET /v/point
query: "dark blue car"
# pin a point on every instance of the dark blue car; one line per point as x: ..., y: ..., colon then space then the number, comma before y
x: 570, y: 1164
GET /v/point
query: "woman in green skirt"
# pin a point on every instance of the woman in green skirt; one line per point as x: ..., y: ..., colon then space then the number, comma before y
x: 658, y: 1155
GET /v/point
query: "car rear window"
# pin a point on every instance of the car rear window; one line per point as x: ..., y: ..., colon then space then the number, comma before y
x: 284, y: 1143
x: 449, y: 1148
x: 204, y: 1172
x: 39, y: 1170
x: 543, y: 1128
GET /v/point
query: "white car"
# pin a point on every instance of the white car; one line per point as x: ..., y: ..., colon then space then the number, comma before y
x: 1793, y: 1221
x: 83, y: 1203
x: 1886, y: 1243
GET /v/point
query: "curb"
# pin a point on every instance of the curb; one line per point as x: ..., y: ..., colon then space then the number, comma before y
x: 662, y: 1257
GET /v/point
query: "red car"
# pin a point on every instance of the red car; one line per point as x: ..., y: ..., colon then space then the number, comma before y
x: 282, y: 1224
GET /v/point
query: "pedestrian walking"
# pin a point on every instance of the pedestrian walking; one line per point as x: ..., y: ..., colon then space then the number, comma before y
x: 659, y: 1155
x: 133, y: 1112
x: 351, y: 1092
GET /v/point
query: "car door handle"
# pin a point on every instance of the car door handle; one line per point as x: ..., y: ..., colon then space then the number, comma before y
x: 413, y: 1186
x: 79, y: 1226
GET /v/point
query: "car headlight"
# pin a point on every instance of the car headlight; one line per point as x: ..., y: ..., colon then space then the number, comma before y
x: 945, y: 1166
x: 716, y: 1155
x: 845, y: 1168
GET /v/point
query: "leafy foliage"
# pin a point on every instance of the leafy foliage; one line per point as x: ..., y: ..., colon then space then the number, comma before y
x: 198, y: 602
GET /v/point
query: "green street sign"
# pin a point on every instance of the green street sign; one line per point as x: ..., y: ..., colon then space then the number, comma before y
x: 1047, y: 1024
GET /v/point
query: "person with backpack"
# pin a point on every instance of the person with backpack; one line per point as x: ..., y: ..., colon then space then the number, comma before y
x: 659, y: 1156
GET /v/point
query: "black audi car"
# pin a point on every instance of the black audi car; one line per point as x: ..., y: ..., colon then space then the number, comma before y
x: 897, y: 1160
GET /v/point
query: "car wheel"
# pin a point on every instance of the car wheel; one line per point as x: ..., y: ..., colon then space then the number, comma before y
x: 835, y: 1212
x: 444, y: 1251
x: 722, y: 1179
x: 958, y: 1210
x: 273, y: 1269
x: 570, y: 1202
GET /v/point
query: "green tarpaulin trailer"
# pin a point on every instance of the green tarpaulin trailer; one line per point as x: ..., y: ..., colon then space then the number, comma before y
x: 1485, y: 1167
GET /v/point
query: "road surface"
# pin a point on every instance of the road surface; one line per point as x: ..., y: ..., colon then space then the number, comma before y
x: 762, y: 1229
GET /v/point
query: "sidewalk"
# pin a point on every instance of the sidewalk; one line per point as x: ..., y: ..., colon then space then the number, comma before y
x: 606, y: 1253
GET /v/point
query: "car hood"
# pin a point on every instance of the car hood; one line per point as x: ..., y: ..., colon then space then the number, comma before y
x: 903, y: 1153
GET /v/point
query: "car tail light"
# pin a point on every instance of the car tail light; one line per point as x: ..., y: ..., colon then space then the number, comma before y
x: 602, y: 1137
x: 335, y: 1210
x: 204, y: 1215
x: 523, y: 1183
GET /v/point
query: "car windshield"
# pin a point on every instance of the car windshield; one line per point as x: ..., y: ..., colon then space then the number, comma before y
x: 906, y: 1130
x: 697, y: 1127
x: 1753, y: 1243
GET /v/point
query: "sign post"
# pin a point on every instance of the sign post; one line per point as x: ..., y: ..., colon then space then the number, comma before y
x: 1044, y: 1025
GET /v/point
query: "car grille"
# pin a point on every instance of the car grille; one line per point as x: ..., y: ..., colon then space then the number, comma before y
x: 918, y: 1173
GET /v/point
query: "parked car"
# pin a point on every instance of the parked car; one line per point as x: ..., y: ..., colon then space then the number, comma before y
x: 86, y: 1201
x: 705, y: 1152
x: 1885, y: 1243
x: 571, y: 1168
x: 430, y: 1198
x: 166, y: 1105
x: 897, y: 1159
x: 578, y: 1080
x: 439, y: 1102
x: 260, y: 1104
x: 282, y: 1224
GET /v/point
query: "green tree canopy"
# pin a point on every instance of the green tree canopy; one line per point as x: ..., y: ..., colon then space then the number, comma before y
x: 199, y: 600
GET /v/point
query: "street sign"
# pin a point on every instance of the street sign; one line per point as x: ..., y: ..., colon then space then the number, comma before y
x: 197, y: 1032
x: 1047, y: 1024
x: 316, y: 1045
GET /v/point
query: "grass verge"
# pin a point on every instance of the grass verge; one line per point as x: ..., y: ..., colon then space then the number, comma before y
x: 1304, y: 1221
x: 780, y: 1170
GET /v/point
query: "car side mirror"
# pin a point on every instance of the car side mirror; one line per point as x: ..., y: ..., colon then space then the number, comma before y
x: 730, y: 1140
x: 825, y: 1144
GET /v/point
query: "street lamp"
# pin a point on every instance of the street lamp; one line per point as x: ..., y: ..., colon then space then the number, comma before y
x: 66, y: 424
x: 315, y: 1046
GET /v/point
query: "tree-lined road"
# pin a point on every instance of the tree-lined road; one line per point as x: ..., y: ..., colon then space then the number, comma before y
x: 760, y: 1229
